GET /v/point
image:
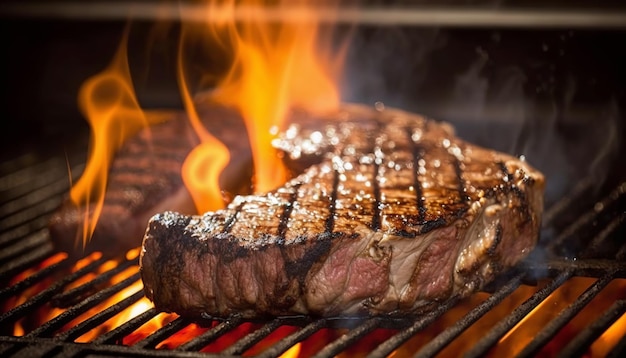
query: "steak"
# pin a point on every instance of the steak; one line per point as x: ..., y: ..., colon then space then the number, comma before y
x: 145, y: 178
x: 392, y: 215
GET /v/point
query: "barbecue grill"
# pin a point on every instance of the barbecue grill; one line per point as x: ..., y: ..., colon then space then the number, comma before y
x: 567, y: 299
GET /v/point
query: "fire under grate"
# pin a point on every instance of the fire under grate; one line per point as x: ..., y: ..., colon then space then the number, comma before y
x: 584, y: 251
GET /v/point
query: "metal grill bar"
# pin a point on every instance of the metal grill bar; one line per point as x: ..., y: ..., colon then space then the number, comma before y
x: 29, y: 243
x: 38, y: 347
x: 619, y: 350
x: 550, y: 330
x: 444, y: 338
x: 209, y: 336
x: 349, y: 338
x: 48, y: 328
x: 32, y: 198
x: 286, y: 343
x: 72, y: 296
x: 512, y: 319
x: 15, y: 184
x: 164, y: 332
x: 99, y: 318
x: 578, y: 344
x: 33, y: 191
x: 126, y: 328
x: 12, y: 268
x: 33, y: 279
x: 580, y: 191
x: 8, y: 350
x: 41, y: 211
x: 13, y: 236
x: 11, y: 316
x: 30, y: 192
x: 584, y: 267
x: 39, y: 350
x: 253, y: 338
x: 595, y: 245
x: 588, y: 218
x: 420, y: 323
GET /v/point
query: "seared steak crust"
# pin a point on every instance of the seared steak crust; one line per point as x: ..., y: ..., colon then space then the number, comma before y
x: 396, y: 215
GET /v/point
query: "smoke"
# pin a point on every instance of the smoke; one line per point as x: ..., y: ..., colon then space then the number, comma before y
x: 609, y: 148
x: 387, y: 63
x: 529, y: 94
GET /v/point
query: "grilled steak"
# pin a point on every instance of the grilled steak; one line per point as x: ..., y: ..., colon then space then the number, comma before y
x: 145, y: 178
x: 396, y: 215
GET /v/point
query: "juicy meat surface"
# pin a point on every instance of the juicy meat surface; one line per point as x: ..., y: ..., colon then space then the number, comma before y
x: 392, y: 215
x: 145, y: 178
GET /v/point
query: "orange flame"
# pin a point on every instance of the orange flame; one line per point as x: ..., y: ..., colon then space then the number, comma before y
x: 277, y: 66
x: 206, y: 161
x: 108, y: 102
x: 293, y: 352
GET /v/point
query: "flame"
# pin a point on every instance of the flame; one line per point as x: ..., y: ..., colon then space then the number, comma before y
x: 276, y: 67
x: 206, y: 161
x: 109, y: 104
x: 293, y: 352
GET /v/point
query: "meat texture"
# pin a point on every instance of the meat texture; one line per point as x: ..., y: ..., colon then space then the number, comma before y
x: 145, y: 178
x: 393, y: 215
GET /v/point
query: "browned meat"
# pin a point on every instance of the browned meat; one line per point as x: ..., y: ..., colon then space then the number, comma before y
x: 397, y: 215
x: 145, y: 178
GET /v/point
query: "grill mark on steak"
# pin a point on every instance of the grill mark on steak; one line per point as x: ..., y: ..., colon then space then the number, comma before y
x: 458, y: 170
x: 376, y: 142
x: 491, y: 252
x: 298, y: 266
x: 311, y: 247
x: 417, y: 152
x: 510, y: 187
x: 283, y: 225
x: 329, y: 224
x: 508, y: 177
x: 230, y: 221
x: 376, y: 212
x: 431, y: 225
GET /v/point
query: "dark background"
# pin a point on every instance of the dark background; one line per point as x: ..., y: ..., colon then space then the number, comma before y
x: 555, y: 95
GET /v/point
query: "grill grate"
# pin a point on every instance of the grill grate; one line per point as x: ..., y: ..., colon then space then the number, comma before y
x: 586, y: 244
